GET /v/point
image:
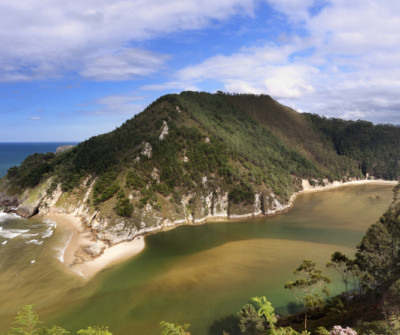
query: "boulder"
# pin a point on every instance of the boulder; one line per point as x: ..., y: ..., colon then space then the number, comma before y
x: 26, y: 211
x: 8, y: 200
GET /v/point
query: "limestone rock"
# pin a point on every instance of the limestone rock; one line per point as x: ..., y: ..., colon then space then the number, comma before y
x: 147, y: 149
x: 164, y: 130
x: 63, y: 148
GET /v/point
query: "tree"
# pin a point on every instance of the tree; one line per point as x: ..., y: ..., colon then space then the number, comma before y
x: 27, y: 322
x: 94, y: 331
x: 250, y: 322
x: 55, y: 330
x: 266, y: 310
x: 374, y: 258
x: 347, y: 269
x: 170, y: 328
x: 309, y: 289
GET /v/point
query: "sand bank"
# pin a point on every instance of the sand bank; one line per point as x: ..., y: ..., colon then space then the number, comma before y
x: 111, y: 256
x: 81, y: 237
x: 307, y: 188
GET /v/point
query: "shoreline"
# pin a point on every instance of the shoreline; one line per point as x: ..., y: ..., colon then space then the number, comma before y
x: 123, y: 251
x: 80, y: 237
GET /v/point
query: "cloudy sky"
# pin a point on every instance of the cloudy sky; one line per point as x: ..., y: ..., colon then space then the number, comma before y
x: 73, y: 69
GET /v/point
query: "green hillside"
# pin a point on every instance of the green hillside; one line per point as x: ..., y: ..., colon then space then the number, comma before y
x: 194, y: 155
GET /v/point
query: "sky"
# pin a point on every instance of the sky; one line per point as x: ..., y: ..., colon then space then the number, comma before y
x: 73, y: 69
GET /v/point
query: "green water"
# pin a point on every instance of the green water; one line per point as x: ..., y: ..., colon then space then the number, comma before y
x: 198, y: 274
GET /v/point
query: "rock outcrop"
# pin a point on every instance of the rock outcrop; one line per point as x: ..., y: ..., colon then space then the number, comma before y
x: 63, y: 148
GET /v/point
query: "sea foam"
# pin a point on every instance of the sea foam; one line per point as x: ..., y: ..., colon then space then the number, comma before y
x: 51, y: 226
x: 34, y: 241
x: 11, y: 233
x: 61, y: 250
x: 8, y: 216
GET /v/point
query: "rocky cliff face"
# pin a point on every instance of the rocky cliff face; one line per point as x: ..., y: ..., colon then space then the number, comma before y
x: 203, y: 205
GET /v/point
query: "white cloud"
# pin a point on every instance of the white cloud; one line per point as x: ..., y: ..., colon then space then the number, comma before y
x: 35, y: 118
x: 124, y: 65
x: 296, y: 10
x: 43, y: 39
x: 255, y: 70
x: 343, y: 63
x: 116, y: 105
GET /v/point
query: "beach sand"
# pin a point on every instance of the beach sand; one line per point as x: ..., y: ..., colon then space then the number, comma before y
x: 111, y: 255
x: 307, y: 188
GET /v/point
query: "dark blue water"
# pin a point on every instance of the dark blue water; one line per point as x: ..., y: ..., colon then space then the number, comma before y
x: 12, y: 154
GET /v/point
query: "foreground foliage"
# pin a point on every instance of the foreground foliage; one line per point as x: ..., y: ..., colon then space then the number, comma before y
x: 309, y: 289
x: 27, y: 323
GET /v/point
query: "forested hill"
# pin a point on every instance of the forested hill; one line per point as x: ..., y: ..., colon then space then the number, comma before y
x: 193, y: 155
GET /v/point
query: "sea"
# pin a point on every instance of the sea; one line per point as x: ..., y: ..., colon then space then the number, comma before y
x: 28, y: 247
x: 13, y: 154
x: 11, y: 226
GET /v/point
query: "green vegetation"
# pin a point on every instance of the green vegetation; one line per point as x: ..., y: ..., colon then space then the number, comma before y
x: 249, y: 320
x: 32, y: 170
x: 174, y: 328
x: 310, y: 288
x: 237, y: 144
x: 375, y: 148
x: 124, y: 206
x: 242, y: 194
x: 27, y: 323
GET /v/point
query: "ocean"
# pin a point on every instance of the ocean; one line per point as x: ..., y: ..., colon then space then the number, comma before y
x: 31, y: 250
x: 12, y: 154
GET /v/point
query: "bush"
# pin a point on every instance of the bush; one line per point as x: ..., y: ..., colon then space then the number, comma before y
x: 124, y: 208
x: 242, y: 194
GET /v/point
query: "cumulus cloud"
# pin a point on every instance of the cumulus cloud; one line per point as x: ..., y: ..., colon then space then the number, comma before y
x: 44, y: 39
x: 255, y: 70
x: 340, y: 60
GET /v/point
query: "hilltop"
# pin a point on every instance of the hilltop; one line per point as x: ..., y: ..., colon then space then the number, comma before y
x: 192, y: 157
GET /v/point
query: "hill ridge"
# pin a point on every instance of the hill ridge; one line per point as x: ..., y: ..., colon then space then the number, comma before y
x: 194, y: 156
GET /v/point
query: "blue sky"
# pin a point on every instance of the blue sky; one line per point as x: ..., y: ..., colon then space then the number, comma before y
x: 73, y: 69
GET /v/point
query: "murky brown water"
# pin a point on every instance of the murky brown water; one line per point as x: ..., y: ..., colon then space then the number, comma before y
x: 194, y: 274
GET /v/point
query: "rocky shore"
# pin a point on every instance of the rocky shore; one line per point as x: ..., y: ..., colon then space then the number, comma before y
x: 95, y: 244
x: 87, y: 254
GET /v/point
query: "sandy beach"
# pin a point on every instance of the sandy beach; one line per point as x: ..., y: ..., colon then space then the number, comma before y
x: 111, y: 255
x: 125, y: 250
x: 307, y: 188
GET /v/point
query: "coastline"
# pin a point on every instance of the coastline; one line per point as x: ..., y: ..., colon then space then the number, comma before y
x: 80, y: 237
x: 121, y: 252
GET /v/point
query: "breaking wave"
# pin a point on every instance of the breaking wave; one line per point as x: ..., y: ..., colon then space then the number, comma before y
x: 11, y: 233
x: 34, y: 241
x: 50, y: 229
x: 61, y: 250
x: 8, y: 216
